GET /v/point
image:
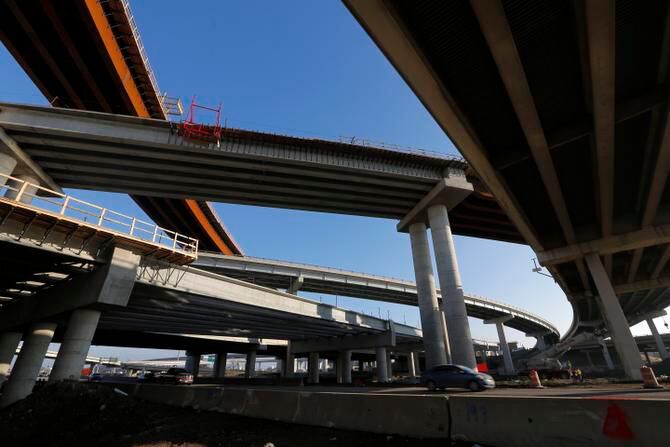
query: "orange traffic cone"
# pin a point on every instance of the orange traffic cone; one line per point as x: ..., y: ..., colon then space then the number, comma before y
x: 649, y: 378
x: 534, y: 379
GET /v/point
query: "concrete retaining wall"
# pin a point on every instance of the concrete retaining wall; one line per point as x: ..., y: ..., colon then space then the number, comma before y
x: 556, y: 421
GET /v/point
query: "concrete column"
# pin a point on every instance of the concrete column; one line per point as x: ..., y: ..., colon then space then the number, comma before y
x: 451, y: 287
x: 623, y: 340
x: 660, y: 346
x: 289, y: 363
x: 28, y: 192
x: 339, y: 371
x: 417, y: 364
x: 28, y: 364
x: 250, y: 365
x: 411, y: 366
x: 382, y: 368
x: 606, y: 355
x: 507, y: 355
x: 220, y: 365
x: 192, y: 363
x: 389, y: 364
x: 346, y: 367
x: 313, y: 368
x: 7, y: 165
x: 9, y: 341
x: 76, y: 343
x: 431, y: 316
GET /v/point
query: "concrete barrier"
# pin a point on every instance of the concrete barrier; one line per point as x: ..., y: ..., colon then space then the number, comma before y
x: 556, y: 421
x: 406, y: 415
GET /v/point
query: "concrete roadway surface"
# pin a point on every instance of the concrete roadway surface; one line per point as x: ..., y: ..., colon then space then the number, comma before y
x: 605, y: 391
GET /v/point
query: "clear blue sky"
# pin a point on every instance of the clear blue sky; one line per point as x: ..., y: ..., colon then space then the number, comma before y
x: 308, y: 68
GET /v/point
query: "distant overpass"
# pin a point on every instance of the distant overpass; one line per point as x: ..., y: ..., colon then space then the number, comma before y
x: 89, y: 358
x: 311, y: 278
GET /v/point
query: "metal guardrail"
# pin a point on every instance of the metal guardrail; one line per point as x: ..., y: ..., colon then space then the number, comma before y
x: 89, y: 213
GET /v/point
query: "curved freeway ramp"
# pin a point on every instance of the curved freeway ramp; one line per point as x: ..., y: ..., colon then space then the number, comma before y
x: 312, y: 278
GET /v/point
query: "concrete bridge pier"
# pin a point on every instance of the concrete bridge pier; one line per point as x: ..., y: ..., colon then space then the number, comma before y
x: 313, y: 368
x: 606, y: 354
x: 382, y: 368
x: 9, y: 341
x: 451, y: 287
x: 504, y: 347
x: 76, y: 343
x: 220, y: 365
x: 192, y: 363
x: 28, y: 364
x: 431, y: 315
x: 250, y: 365
x: 660, y: 346
x: 343, y: 366
x: 617, y: 324
x: 411, y: 365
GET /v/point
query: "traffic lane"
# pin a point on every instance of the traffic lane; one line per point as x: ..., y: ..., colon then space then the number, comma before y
x: 617, y: 391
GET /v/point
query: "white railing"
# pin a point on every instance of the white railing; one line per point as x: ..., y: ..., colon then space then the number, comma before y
x: 68, y: 206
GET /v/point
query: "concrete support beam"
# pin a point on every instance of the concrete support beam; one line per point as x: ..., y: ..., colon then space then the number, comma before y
x: 250, y: 365
x: 606, y: 355
x: 411, y: 365
x: 110, y: 284
x: 616, y: 322
x: 7, y: 165
x: 220, y: 365
x: 9, y: 341
x: 313, y: 368
x: 660, y: 346
x: 389, y: 364
x: 296, y: 284
x: 382, y: 368
x: 288, y: 364
x: 451, y: 287
x: 28, y: 364
x: 431, y: 316
x: 192, y: 363
x: 507, y: 355
x: 75, y: 345
x: 417, y: 364
x: 346, y: 366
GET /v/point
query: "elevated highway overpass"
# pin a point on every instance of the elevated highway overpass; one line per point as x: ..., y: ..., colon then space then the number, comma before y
x: 88, y: 55
x: 294, y: 276
x: 561, y: 108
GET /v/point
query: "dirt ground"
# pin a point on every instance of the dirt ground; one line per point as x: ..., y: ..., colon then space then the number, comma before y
x: 70, y: 415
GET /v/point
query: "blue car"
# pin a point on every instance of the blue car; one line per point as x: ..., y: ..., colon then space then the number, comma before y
x: 456, y: 376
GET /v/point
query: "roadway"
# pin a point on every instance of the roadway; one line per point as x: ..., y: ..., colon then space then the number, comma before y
x: 311, y: 278
x: 604, y: 391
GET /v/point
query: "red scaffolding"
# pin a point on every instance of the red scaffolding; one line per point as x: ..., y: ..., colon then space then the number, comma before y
x: 210, y: 133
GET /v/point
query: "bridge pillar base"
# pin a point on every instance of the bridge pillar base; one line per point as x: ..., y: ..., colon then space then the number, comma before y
x: 192, y: 363
x: 28, y: 364
x: 76, y: 343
